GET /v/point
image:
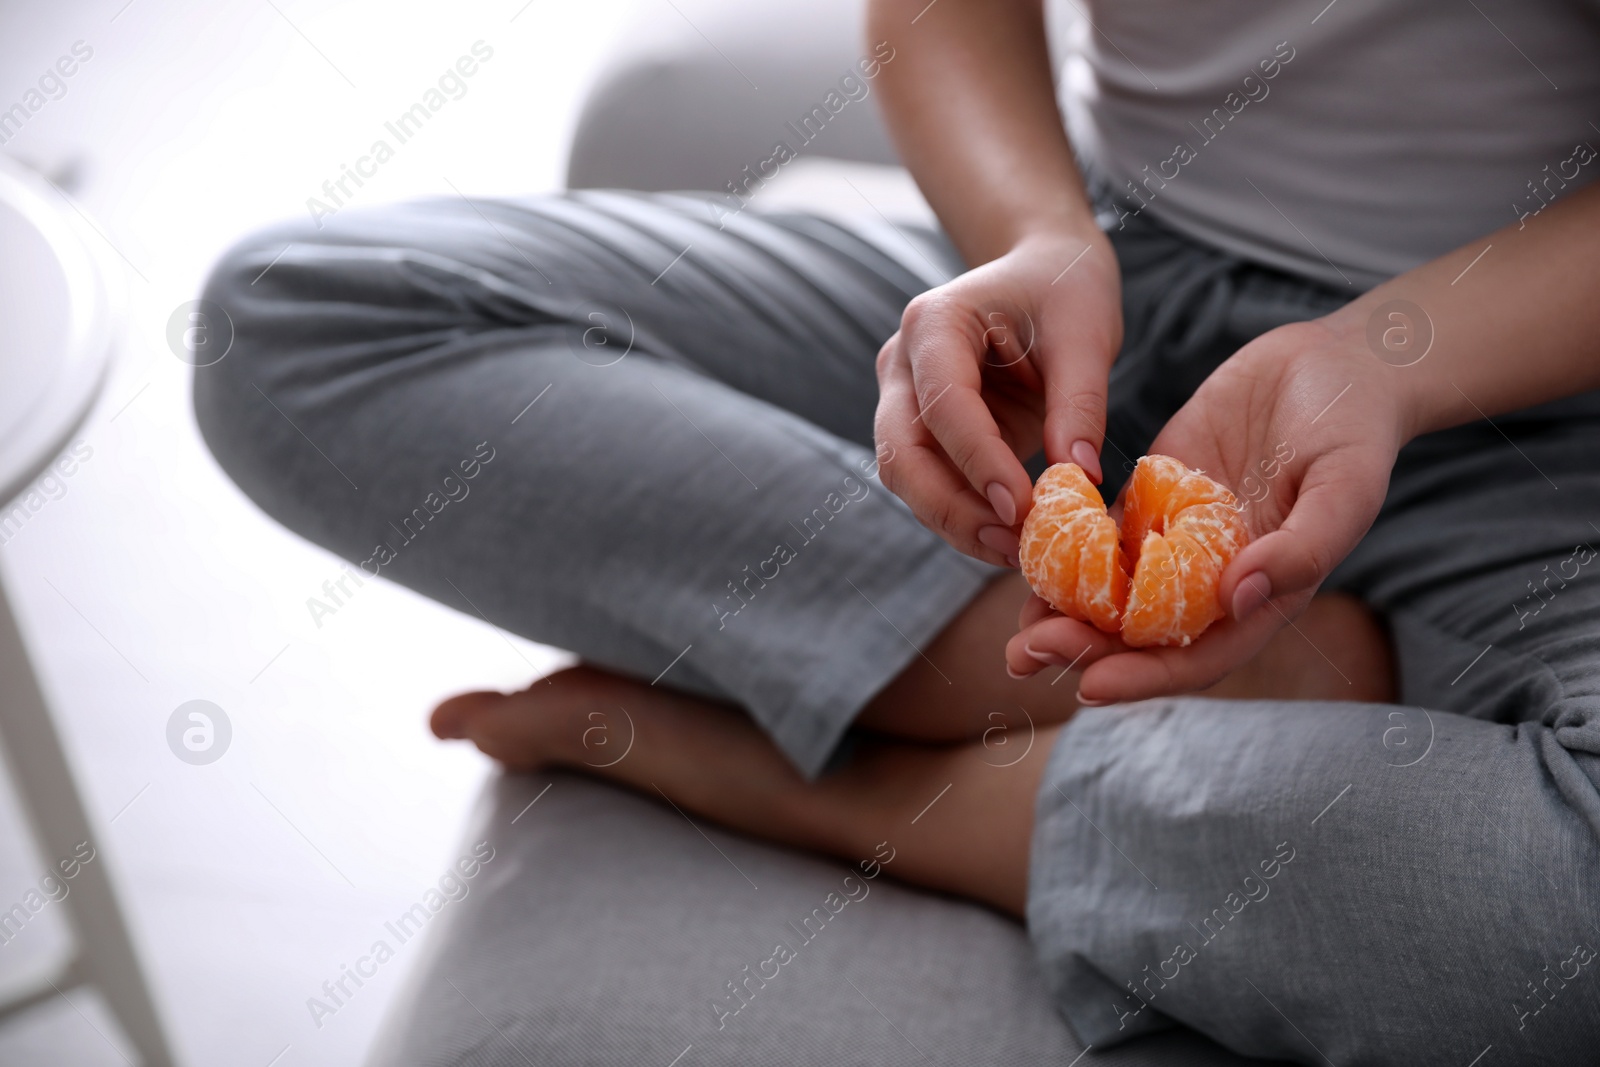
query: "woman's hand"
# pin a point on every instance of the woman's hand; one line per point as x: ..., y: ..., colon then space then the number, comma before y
x: 1016, y: 352
x: 1303, y: 424
x: 984, y: 370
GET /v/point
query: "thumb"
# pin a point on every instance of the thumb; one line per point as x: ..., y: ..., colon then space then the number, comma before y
x: 1330, y: 515
x: 1075, y: 413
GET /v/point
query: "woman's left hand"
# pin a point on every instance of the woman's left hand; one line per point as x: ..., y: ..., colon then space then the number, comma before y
x: 1303, y: 424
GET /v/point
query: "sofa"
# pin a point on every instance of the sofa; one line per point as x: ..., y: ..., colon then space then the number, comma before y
x: 608, y: 929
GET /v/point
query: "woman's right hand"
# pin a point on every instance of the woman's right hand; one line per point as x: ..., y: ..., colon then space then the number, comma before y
x: 985, y: 369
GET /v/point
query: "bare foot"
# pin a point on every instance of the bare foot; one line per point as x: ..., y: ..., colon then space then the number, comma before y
x: 585, y: 717
x: 1338, y: 649
x: 949, y: 691
x: 712, y: 760
x: 575, y: 716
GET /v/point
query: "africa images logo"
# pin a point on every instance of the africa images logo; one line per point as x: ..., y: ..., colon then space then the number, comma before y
x: 199, y: 732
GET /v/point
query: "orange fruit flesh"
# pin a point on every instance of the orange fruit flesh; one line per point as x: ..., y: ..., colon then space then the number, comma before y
x: 1155, y: 583
x: 1070, y: 552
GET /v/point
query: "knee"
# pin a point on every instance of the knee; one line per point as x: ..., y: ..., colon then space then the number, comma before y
x: 240, y: 340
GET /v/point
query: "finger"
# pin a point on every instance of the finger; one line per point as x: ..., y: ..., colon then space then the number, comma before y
x: 1075, y: 406
x: 1333, y: 509
x: 1058, y: 641
x: 1020, y: 416
x: 1033, y: 610
x: 942, y: 501
x: 911, y: 466
x: 946, y: 351
x: 1152, y: 672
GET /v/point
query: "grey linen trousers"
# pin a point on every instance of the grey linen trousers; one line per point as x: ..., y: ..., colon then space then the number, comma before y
x: 604, y: 422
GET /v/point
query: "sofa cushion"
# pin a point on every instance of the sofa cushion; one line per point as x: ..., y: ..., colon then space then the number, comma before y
x: 606, y: 927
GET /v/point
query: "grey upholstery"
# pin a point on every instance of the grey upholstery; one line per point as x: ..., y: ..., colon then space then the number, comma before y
x: 699, y: 89
x: 606, y: 925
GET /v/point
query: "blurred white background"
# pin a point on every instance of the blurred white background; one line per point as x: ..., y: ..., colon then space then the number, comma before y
x: 152, y: 581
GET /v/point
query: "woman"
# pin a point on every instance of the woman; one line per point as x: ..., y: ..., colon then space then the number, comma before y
x: 1287, y: 267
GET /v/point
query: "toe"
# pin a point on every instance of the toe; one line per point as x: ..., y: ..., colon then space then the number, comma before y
x: 451, y: 719
x: 513, y: 733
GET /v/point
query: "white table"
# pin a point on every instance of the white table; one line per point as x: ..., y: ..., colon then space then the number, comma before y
x: 56, y: 333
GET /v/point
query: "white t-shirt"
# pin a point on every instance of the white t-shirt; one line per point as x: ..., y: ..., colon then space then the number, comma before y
x: 1346, y: 142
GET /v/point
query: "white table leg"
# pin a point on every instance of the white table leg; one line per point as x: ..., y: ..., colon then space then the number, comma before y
x: 105, y: 952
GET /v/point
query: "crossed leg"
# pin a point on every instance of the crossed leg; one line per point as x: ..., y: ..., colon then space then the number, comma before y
x: 934, y: 778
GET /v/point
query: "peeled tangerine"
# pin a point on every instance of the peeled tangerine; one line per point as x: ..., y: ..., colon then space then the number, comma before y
x: 1157, y: 582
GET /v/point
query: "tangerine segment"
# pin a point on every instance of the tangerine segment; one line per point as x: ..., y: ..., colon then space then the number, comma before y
x: 1162, y: 489
x: 1070, y: 553
x: 1180, y: 530
x: 1188, y: 529
x: 1173, y: 595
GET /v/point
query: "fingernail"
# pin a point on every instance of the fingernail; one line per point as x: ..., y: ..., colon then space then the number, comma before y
x: 1048, y: 658
x: 1001, y: 539
x: 1084, y: 455
x: 1248, y: 596
x: 1004, y: 504
x: 1086, y: 702
x: 1015, y: 675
